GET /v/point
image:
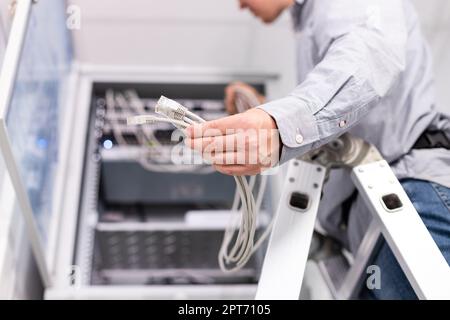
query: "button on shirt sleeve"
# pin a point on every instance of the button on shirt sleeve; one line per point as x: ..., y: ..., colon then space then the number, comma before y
x: 362, y: 50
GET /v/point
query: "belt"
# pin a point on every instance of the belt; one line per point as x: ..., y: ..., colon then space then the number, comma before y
x: 432, y: 140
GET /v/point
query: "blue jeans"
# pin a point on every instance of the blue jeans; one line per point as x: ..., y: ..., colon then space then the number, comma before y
x: 432, y: 202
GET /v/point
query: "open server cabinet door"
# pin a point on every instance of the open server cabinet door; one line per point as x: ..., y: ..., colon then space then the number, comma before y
x: 32, y: 83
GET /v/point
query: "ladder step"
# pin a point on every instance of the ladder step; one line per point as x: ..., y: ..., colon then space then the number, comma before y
x: 334, y: 270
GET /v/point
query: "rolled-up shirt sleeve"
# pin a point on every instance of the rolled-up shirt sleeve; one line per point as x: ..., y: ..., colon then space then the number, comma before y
x: 362, y: 45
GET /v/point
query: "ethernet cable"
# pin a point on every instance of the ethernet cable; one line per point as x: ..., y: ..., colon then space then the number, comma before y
x: 149, y: 119
x: 244, y: 100
x: 128, y: 104
x: 231, y: 258
x: 139, y: 108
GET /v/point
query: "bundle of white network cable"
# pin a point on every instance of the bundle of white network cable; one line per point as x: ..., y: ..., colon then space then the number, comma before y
x: 156, y: 158
x: 232, y: 256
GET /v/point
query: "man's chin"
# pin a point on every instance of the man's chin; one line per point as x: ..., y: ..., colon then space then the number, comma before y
x: 264, y: 19
x: 268, y: 19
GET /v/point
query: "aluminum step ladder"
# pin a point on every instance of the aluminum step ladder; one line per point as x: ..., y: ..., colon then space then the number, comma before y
x: 394, y: 217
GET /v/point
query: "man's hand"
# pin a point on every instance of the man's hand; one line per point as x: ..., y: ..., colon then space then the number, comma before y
x: 233, y: 89
x: 242, y: 144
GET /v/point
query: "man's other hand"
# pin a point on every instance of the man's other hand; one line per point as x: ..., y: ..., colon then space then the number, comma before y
x: 231, y: 92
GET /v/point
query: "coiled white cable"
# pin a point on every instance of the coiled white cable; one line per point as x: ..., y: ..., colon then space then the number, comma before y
x: 244, y: 100
x: 232, y: 256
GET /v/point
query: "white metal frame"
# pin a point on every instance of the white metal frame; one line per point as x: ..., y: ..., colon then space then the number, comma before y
x: 287, y: 253
x: 157, y: 292
x: 406, y: 234
x: 417, y: 253
x: 64, y: 229
x: 63, y: 170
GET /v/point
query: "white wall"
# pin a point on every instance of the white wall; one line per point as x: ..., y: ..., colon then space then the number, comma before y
x: 3, y: 27
x: 216, y: 33
x: 206, y: 33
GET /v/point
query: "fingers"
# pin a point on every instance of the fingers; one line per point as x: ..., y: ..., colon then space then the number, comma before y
x: 225, y: 158
x: 211, y: 128
x: 250, y: 143
x: 237, y: 158
x: 238, y: 170
x: 242, y: 144
x: 216, y: 144
x: 217, y: 127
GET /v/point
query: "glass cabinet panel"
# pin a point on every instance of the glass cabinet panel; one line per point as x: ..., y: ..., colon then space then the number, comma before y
x: 34, y: 116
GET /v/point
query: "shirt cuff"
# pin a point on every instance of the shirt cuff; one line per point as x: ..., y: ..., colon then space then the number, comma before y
x: 296, y: 123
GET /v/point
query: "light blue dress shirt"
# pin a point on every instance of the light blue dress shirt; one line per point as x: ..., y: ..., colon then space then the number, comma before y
x: 363, y: 67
